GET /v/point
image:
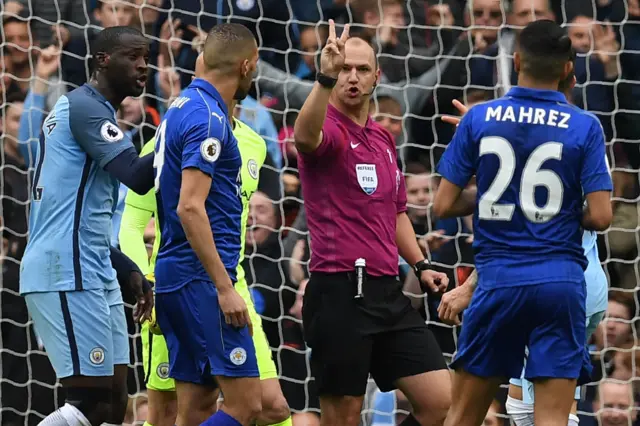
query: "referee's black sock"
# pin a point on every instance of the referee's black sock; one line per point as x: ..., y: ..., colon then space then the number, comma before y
x: 410, y: 421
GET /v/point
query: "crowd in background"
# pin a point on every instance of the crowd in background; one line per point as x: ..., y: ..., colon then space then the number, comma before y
x: 430, y: 53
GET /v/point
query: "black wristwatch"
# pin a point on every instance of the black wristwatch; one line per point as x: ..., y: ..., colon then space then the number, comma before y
x: 326, y: 81
x: 420, y: 266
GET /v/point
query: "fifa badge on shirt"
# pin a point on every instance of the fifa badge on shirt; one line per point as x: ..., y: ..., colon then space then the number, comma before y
x: 397, y: 181
x: 367, y: 177
x: 210, y: 149
x: 110, y: 132
x: 238, y: 356
x: 96, y: 356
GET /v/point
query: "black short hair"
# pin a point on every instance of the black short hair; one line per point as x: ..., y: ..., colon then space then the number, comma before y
x: 21, y: 17
x: 544, y: 48
x: 566, y: 83
x: 110, y: 39
x: 226, y: 44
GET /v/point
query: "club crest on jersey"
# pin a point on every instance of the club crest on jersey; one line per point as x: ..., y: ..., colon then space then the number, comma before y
x: 96, y: 356
x: 367, y: 177
x: 163, y: 370
x: 210, y: 149
x: 253, y: 168
x: 110, y: 132
x: 238, y: 356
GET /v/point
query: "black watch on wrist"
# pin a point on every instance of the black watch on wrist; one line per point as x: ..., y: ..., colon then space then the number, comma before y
x: 326, y: 81
x: 420, y: 266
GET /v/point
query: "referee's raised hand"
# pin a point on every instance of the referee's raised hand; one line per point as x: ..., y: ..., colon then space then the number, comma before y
x: 333, y: 53
x: 234, y: 309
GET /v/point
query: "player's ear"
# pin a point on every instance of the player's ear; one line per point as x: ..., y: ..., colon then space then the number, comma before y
x: 102, y: 59
x: 568, y: 67
x: 246, y: 68
x: 516, y: 61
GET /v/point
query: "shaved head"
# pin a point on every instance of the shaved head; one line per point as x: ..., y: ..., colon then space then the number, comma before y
x: 230, y: 50
x: 228, y: 45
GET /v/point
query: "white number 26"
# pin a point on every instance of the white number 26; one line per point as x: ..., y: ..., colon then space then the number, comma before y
x: 532, y: 177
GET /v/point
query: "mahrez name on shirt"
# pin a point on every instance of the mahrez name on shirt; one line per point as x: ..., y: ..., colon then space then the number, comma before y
x: 529, y: 115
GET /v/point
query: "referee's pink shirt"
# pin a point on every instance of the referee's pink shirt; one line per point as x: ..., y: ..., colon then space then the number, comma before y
x: 352, y: 190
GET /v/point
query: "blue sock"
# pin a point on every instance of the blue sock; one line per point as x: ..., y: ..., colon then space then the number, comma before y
x: 220, y: 418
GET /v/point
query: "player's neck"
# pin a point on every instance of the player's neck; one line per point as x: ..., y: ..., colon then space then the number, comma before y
x: 226, y: 87
x: 358, y: 114
x: 109, y: 94
x: 529, y: 83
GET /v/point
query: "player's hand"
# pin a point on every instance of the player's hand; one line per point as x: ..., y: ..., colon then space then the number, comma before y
x: 456, y: 120
x: 333, y: 53
x: 234, y: 309
x: 454, y: 302
x: 144, y: 297
x: 436, y: 282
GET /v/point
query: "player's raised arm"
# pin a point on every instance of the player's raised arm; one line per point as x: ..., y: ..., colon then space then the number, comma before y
x: 596, y: 182
x: 308, y: 126
x: 456, y: 166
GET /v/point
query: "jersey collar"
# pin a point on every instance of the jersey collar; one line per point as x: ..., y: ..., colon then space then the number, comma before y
x: 93, y: 91
x: 547, y: 95
x: 200, y: 83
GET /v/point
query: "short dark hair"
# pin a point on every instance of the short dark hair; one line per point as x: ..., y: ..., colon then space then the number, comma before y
x: 565, y: 84
x: 226, y: 44
x: 110, y: 39
x: 545, y: 48
x: 21, y: 17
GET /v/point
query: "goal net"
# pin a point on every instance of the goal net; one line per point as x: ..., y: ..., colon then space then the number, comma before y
x: 429, y: 52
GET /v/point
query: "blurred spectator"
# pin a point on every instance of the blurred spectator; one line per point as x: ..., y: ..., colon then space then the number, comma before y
x: 614, y: 404
x: 144, y: 15
x: 312, y: 38
x: 274, y: 297
x: 138, y: 120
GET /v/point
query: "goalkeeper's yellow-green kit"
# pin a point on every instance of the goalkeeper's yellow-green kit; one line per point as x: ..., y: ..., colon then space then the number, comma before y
x: 138, y: 211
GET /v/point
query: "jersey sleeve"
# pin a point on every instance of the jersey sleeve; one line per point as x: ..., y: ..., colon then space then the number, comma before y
x: 94, y: 127
x: 595, y: 175
x: 332, y: 137
x: 457, y: 164
x: 203, y: 138
x: 147, y: 201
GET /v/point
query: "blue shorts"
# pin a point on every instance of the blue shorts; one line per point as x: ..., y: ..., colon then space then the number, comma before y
x: 527, y: 386
x: 201, y: 344
x: 548, y: 319
x: 84, y: 332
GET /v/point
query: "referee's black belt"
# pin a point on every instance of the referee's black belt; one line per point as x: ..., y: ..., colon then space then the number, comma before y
x: 351, y: 276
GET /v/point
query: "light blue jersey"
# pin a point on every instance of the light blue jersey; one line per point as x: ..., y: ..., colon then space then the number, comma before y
x: 73, y: 197
x: 66, y: 274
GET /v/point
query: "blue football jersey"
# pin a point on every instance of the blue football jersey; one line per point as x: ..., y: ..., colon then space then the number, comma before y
x: 196, y: 133
x: 534, y: 157
x: 73, y: 197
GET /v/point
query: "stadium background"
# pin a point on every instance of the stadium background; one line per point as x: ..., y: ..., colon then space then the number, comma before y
x: 431, y: 52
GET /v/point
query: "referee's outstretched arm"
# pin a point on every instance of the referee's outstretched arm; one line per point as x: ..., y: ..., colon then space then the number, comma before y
x: 308, y: 126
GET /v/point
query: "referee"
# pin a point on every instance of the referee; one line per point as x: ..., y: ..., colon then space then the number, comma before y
x: 356, y: 319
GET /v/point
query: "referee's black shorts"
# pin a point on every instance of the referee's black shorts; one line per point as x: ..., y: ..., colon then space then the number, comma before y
x: 381, y: 334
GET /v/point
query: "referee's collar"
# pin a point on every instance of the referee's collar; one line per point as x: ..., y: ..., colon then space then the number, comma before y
x: 547, y: 95
x: 199, y: 83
